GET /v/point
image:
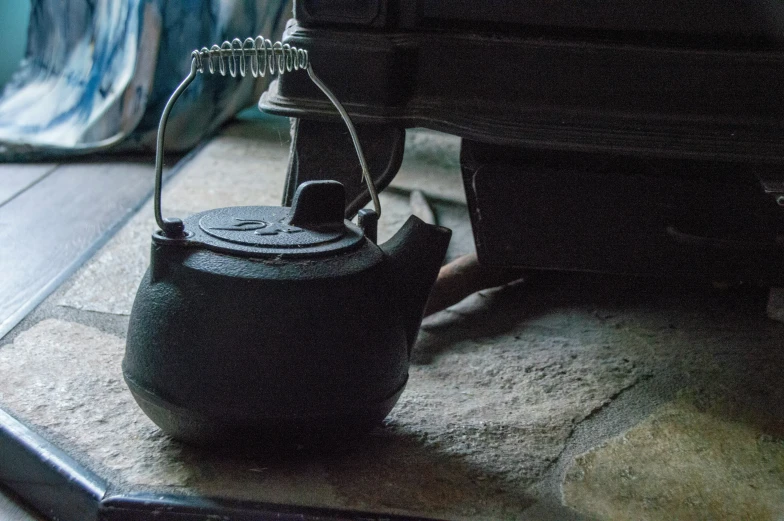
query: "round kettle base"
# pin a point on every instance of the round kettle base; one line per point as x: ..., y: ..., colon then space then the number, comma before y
x: 312, y: 432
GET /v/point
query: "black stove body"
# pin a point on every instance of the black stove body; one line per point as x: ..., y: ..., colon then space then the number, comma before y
x: 636, y: 136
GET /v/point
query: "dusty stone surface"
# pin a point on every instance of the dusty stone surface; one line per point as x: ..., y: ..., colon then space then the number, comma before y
x: 244, y: 166
x: 700, y: 457
x: 498, y: 385
x: 108, y: 282
x: 431, y: 163
x: 480, y: 421
x: 65, y: 379
x: 396, y: 209
x: 510, y: 398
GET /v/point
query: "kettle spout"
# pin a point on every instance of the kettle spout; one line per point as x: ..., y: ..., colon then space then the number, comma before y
x: 416, y: 253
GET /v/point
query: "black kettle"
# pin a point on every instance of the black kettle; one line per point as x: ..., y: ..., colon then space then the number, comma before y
x: 274, y: 322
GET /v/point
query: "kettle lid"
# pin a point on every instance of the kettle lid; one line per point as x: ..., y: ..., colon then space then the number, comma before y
x: 314, y: 225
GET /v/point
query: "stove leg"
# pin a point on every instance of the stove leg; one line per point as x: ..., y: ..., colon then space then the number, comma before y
x: 323, y: 150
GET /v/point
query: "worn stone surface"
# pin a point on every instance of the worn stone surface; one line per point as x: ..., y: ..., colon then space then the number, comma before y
x: 480, y: 421
x: 244, y: 166
x: 65, y: 379
x: 700, y: 457
x: 714, y: 453
x: 396, y: 209
x: 108, y: 282
x: 431, y: 163
x: 498, y: 385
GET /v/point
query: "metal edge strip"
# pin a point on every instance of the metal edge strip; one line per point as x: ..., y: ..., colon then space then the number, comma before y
x: 45, y: 477
x: 58, y: 487
x: 144, y: 507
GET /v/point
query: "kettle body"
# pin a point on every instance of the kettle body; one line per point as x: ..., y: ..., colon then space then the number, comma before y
x: 240, y: 336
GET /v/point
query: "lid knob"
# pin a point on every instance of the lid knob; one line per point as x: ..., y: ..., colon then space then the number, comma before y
x: 318, y: 205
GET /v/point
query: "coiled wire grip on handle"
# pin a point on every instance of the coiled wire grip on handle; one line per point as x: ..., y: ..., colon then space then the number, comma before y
x: 236, y: 57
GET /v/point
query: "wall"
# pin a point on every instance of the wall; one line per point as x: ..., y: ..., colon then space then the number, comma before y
x: 14, y: 18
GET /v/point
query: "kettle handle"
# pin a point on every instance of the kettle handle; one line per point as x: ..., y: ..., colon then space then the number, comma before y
x: 233, y: 57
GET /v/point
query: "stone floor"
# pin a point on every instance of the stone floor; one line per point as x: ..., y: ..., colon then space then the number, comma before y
x: 557, y: 397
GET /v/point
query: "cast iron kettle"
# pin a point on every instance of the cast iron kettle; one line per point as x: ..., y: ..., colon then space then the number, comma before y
x: 257, y: 323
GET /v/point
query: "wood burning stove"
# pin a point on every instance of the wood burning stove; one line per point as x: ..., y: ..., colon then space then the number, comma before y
x: 640, y: 137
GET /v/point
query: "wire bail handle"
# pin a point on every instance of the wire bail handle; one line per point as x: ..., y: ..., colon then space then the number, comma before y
x: 232, y: 57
